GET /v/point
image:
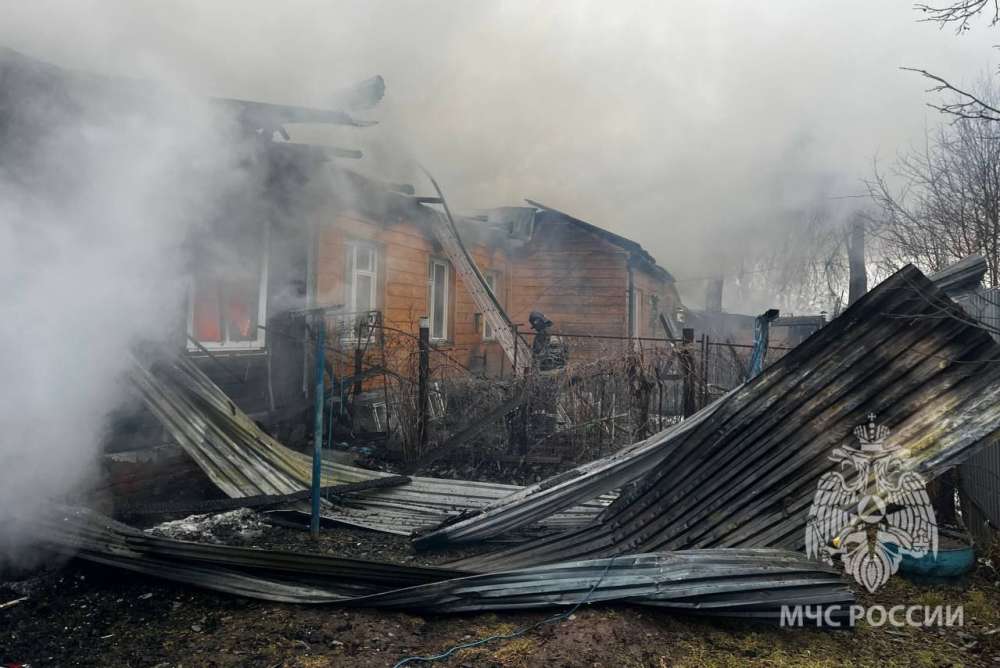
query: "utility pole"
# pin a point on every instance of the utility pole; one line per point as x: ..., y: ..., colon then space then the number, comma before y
x: 713, y: 294
x: 858, y: 282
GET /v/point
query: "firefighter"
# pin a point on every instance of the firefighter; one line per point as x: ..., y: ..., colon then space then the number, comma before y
x: 547, y: 351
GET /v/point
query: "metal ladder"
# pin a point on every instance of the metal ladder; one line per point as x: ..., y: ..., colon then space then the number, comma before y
x: 516, y: 349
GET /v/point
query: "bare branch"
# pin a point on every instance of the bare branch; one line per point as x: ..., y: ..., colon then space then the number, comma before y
x: 959, y: 13
x: 947, y: 204
x: 968, y: 106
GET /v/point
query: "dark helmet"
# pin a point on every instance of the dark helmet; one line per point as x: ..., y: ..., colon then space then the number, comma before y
x: 538, y: 320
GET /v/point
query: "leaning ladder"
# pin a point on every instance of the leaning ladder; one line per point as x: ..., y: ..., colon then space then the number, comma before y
x: 515, y: 348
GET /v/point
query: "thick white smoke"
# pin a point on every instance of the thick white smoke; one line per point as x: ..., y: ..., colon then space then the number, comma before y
x: 100, y: 185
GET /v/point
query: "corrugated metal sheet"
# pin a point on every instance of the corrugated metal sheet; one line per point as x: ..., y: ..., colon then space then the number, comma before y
x: 244, y: 461
x: 962, y: 277
x: 741, y: 583
x: 979, y: 477
x: 538, y: 501
x: 979, y: 483
x: 984, y: 306
x: 747, y: 476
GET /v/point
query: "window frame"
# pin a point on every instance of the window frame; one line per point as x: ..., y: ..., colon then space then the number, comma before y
x: 445, y: 293
x: 497, y: 278
x: 636, y: 312
x: 260, y: 341
x: 352, y: 272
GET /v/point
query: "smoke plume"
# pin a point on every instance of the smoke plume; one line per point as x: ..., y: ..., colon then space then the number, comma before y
x: 101, y: 183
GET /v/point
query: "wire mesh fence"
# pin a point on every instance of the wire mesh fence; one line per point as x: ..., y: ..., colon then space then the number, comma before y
x: 613, y: 391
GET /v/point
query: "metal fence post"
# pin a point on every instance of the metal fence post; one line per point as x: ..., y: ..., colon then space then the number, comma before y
x: 317, y: 463
x: 705, y: 352
x: 423, y: 397
x: 687, y: 371
x: 516, y: 346
x: 359, y: 367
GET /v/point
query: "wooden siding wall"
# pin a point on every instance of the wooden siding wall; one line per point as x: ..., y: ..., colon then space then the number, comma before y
x: 580, y: 283
x: 655, y: 296
x: 575, y: 278
x: 405, y: 249
x: 578, y: 280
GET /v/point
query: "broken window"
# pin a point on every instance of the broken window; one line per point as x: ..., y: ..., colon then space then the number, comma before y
x: 492, y: 279
x: 227, y: 299
x: 439, y: 276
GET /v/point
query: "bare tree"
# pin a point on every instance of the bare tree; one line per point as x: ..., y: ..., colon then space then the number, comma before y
x: 942, y: 203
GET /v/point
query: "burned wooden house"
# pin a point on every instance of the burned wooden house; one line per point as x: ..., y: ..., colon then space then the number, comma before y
x: 367, y: 253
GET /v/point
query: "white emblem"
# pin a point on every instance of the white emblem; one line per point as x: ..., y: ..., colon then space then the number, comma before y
x: 873, y: 517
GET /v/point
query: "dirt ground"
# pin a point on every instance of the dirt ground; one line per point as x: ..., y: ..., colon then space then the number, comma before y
x: 85, y: 615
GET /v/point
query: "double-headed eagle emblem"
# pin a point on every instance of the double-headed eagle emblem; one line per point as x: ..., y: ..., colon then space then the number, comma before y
x: 875, y: 514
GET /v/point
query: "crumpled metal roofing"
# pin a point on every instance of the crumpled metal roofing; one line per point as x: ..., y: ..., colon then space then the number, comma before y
x: 754, y: 583
x: 535, y: 502
x: 242, y: 460
x: 961, y: 277
x: 979, y: 476
x: 747, y: 476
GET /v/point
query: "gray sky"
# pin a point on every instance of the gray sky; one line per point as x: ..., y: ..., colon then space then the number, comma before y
x: 696, y: 128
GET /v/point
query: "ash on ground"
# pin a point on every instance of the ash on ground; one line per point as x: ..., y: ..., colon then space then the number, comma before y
x: 235, y: 527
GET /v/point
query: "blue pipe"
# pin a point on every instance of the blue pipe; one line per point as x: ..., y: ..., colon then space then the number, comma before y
x: 761, y: 336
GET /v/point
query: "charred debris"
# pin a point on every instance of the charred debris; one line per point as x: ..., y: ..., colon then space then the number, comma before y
x: 516, y: 379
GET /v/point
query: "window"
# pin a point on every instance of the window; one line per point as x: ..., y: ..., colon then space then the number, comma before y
x: 636, y: 306
x: 362, y: 277
x: 439, y: 275
x: 227, y: 299
x: 492, y: 281
x: 654, y: 313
